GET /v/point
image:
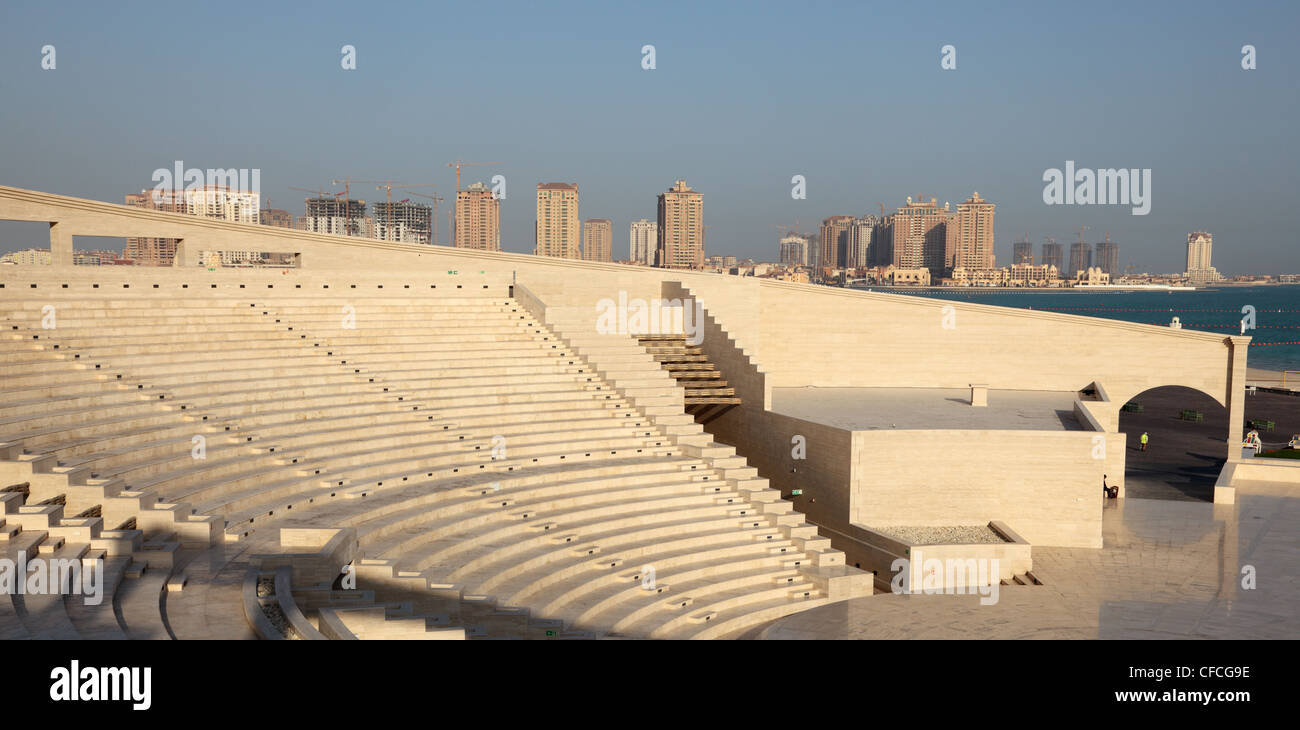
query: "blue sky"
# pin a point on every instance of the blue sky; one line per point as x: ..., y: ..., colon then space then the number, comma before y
x: 745, y: 95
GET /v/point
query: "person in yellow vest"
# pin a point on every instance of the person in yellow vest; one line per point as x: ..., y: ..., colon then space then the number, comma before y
x: 1144, y: 440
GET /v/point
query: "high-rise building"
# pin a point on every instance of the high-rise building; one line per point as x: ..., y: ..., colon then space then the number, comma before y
x: 335, y: 217
x: 681, y: 228
x: 1052, y: 252
x: 920, y: 234
x: 862, y: 239
x: 403, y: 221
x: 209, y: 201
x: 834, y: 241
x: 973, y: 244
x: 1108, y: 257
x: 154, y: 251
x: 1023, y: 253
x: 478, y: 219
x: 1200, y: 248
x: 558, y: 226
x: 644, y: 241
x: 215, y: 201
x: 597, y: 240
x: 1080, y: 258
x: 794, y: 250
x: 239, y: 206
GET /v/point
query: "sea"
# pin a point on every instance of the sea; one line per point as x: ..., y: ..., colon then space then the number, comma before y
x: 1275, y: 343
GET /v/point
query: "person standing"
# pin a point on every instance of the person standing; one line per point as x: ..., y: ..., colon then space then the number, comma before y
x: 1144, y: 440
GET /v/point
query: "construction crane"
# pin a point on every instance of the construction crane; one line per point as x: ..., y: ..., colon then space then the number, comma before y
x: 459, y: 163
x: 319, y: 193
x: 347, y: 187
x: 388, y: 185
x: 882, y: 209
x: 435, y: 200
x: 1081, y: 230
x: 347, y: 203
x: 383, y: 185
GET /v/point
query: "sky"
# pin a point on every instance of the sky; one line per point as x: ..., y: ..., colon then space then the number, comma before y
x: 743, y: 97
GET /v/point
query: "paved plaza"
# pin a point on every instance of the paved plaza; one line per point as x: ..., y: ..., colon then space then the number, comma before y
x: 1169, y: 570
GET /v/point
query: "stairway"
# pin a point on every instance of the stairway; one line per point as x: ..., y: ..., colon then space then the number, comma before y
x: 690, y: 367
x: 1025, y: 579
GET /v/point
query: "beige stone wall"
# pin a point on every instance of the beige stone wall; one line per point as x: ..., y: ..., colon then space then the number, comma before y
x: 1285, y: 471
x: 1045, y: 485
x: 1102, y: 417
x: 887, y: 340
x: 877, y: 552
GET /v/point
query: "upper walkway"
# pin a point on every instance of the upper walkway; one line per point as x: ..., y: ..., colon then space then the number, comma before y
x: 860, y: 409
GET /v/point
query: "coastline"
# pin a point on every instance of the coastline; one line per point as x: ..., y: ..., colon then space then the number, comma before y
x: 1145, y: 288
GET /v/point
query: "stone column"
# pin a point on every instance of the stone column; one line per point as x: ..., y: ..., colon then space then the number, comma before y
x: 1235, y: 398
x: 60, y: 244
x: 187, y: 253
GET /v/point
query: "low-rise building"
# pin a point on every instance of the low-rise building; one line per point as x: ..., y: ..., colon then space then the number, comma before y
x: 1032, y: 275
x: 962, y: 276
x: 1092, y: 276
x: 28, y: 257
x: 898, y: 276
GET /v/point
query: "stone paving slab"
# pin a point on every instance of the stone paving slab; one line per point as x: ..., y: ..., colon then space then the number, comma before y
x: 1168, y: 570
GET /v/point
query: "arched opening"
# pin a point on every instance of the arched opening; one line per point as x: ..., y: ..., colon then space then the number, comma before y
x: 1185, y: 448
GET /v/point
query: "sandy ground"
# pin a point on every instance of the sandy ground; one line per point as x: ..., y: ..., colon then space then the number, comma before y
x: 1272, y: 378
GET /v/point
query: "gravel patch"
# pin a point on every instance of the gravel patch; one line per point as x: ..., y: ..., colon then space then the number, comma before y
x: 955, y: 535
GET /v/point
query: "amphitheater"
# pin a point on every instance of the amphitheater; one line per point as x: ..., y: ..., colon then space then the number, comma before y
x: 400, y: 441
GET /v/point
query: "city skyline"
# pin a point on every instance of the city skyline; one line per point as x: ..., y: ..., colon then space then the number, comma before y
x: 850, y: 242
x: 1004, y: 249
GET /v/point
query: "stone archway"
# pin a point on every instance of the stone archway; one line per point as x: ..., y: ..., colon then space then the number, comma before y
x: 1185, y: 453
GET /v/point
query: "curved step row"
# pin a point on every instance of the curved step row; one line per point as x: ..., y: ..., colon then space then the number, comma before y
x: 518, y: 483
